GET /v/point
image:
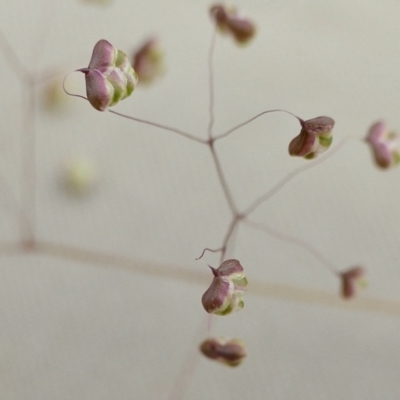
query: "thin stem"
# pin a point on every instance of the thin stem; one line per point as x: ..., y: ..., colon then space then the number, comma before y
x: 223, y: 249
x: 227, y: 237
x: 210, y: 250
x: 291, y: 239
x: 166, y: 128
x: 230, y: 245
x: 143, y: 121
x: 211, y: 83
x: 70, y: 93
x: 223, y: 181
x: 222, y: 135
x: 278, y: 186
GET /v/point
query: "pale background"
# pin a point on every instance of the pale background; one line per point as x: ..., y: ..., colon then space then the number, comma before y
x: 97, y: 329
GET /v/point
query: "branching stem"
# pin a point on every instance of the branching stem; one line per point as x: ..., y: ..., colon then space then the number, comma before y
x: 164, y: 127
x: 228, y: 236
x: 223, y: 181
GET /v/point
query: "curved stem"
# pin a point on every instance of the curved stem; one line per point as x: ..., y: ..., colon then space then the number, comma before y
x: 291, y: 239
x: 223, y: 249
x: 70, y: 93
x: 278, y: 186
x: 210, y: 250
x: 222, y: 135
x: 166, y: 128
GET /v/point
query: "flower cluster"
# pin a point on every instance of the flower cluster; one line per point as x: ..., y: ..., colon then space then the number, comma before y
x: 109, y: 76
x: 385, y: 145
x: 229, y: 21
x: 228, y: 352
x: 225, y: 294
x: 314, y: 138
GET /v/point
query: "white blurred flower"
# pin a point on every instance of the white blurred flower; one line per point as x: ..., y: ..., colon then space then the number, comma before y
x: 79, y: 175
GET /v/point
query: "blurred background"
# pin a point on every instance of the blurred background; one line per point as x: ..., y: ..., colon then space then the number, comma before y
x: 107, y: 306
